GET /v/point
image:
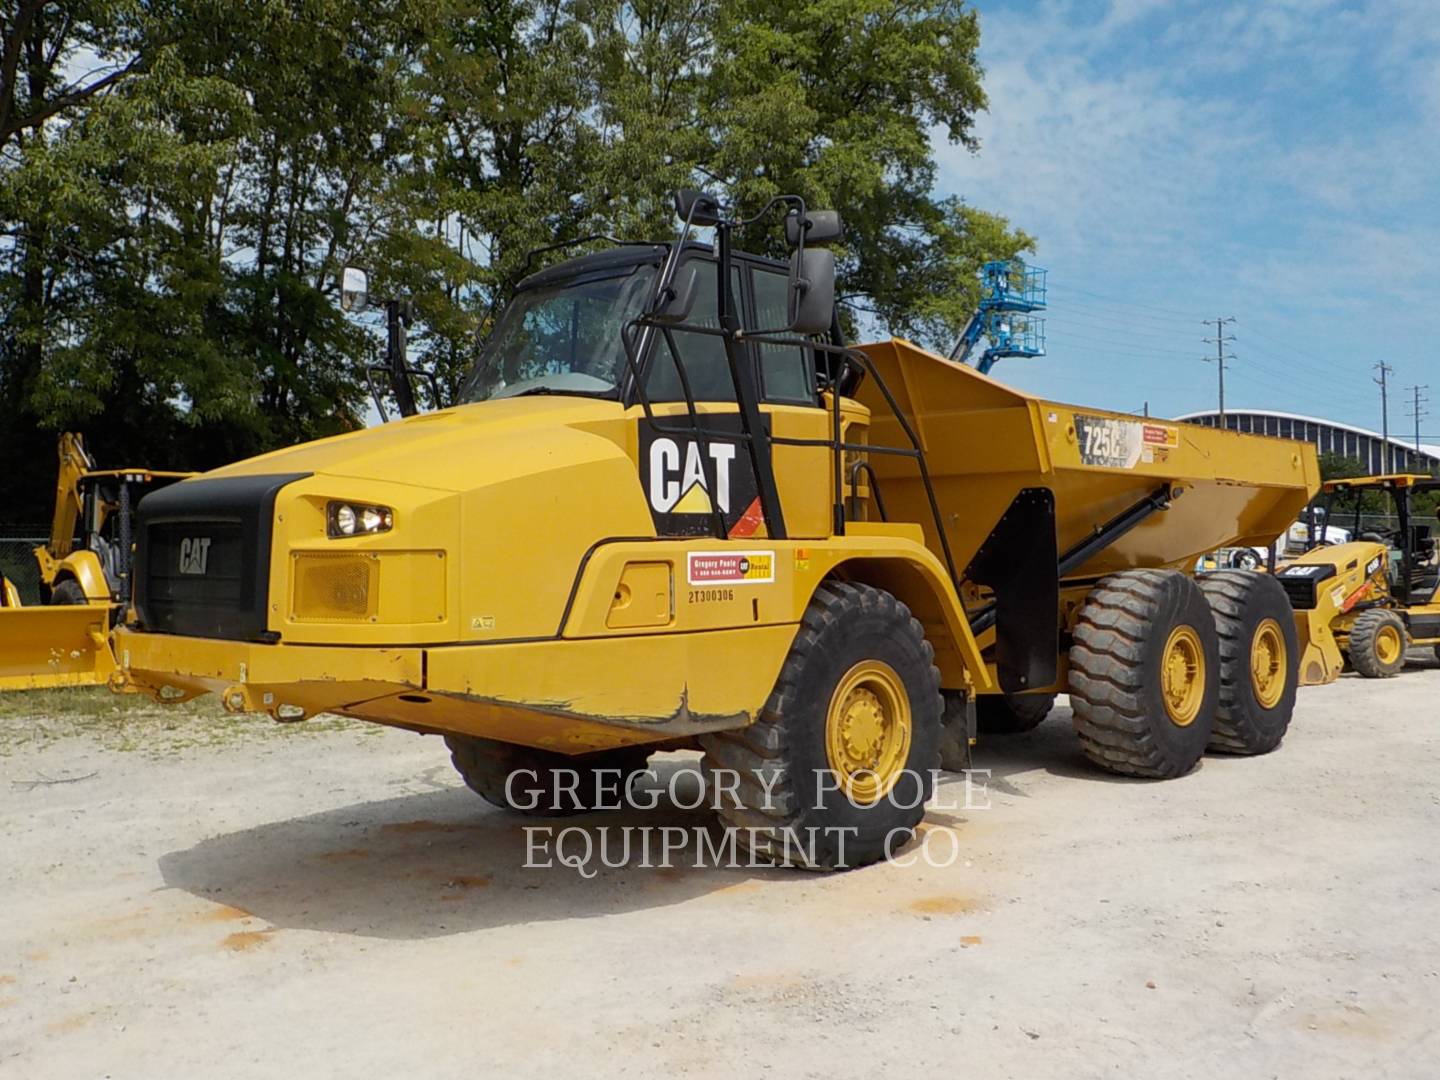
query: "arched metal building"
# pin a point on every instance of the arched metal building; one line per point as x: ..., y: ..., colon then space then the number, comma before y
x: 1329, y: 435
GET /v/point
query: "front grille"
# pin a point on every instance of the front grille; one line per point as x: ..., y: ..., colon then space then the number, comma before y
x: 1302, y: 582
x: 1301, y: 592
x: 202, y: 557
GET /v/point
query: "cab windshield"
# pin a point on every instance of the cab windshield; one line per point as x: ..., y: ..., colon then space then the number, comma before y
x: 562, y: 338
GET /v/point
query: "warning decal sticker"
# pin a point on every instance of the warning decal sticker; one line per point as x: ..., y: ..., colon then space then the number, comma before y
x: 731, y: 567
x: 1161, y: 435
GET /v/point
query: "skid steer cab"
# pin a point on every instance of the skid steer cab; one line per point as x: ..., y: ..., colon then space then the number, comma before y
x: 1376, y: 596
x: 673, y: 509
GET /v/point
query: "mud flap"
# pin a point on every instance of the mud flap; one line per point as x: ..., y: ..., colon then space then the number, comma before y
x: 1018, y: 563
x: 50, y: 646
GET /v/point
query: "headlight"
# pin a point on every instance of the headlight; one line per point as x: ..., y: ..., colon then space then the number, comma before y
x: 357, y: 519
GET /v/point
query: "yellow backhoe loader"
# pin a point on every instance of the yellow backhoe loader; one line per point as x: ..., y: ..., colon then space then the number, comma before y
x: 84, y: 570
x: 672, y: 508
x: 1371, y: 598
x: 86, y: 559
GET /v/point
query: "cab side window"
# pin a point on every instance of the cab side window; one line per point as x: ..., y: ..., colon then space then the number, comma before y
x: 784, y: 369
x: 702, y: 355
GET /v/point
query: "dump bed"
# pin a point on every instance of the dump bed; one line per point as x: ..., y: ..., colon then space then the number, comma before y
x: 984, y: 442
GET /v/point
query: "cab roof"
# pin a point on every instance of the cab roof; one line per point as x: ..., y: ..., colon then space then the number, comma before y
x: 1388, y: 482
x: 623, y: 254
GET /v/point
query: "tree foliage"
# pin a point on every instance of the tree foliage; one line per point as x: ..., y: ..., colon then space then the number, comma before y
x: 182, y: 182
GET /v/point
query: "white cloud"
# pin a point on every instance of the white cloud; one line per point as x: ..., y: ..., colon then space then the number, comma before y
x: 1275, y: 160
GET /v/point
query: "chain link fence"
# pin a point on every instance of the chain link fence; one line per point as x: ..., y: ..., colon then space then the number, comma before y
x: 17, y: 558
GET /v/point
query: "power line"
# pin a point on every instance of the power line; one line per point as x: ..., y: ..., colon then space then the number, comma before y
x: 1135, y: 348
x: 1108, y: 323
x: 1110, y: 310
x: 1124, y: 303
x: 1385, y: 371
x: 1418, y: 409
x: 1219, y: 341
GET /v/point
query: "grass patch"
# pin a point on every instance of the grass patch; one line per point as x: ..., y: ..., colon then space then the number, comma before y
x: 32, y: 719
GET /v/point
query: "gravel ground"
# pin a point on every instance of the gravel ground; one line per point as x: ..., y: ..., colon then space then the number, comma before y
x: 290, y: 903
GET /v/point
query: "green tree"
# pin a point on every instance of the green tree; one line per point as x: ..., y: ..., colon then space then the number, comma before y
x: 177, y: 216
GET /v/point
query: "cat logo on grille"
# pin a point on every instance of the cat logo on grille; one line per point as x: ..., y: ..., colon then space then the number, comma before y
x: 194, y: 554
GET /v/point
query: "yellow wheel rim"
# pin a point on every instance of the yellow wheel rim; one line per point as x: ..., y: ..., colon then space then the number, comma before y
x: 1388, y: 645
x: 1268, y: 663
x: 1182, y: 676
x: 867, y: 731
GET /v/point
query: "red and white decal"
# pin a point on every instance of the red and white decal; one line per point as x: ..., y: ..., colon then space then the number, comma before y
x: 731, y: 567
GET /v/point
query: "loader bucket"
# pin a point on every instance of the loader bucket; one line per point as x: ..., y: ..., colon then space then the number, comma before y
x: 51, y: 646
x: 985, y: 441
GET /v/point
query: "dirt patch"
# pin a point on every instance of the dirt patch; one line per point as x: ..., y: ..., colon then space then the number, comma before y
x: 243, y: 940
x: 943, y: 905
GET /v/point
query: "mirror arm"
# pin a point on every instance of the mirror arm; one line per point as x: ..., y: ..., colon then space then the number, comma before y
x: 778, y: 200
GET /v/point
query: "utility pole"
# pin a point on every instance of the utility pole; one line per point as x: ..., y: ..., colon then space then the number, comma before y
x: 1385, y: 371
x: 1418, y: 410
x: 1219, y: 358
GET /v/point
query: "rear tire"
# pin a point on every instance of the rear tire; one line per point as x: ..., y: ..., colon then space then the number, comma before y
x: 836, y: 771
x: 1011, y: 714
x: 1145, y: 674
x: 68, y: 592
x: 1377, y: 644
x: 546, y: 784
x: 1259, y: 661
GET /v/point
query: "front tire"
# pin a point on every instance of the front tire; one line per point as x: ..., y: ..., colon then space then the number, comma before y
x: 545, y: 784
x: 836, y: 771
x: 1377, y: 644
x: 1145, y: 674
x: 1259, y: 661
x: 68, y: 592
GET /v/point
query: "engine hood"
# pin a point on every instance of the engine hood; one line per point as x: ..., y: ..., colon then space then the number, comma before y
x: 449, y: 450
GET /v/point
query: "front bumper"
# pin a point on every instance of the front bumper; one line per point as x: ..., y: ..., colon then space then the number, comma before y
x: 572, y: 696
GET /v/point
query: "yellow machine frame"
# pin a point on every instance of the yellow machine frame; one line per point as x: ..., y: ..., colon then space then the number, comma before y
x: 1361, y: 582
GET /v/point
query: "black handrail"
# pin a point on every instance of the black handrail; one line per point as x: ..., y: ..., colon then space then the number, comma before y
x: 837, y: 446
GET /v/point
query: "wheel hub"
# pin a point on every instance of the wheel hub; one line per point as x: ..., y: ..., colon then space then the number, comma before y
x: 1182, y: 676
x: 1387, y: 645
x: 1268, y: 664
x: 863, y: 727
x: 868, y: 730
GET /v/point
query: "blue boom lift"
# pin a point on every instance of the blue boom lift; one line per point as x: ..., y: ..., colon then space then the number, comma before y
x: 1010, y: 294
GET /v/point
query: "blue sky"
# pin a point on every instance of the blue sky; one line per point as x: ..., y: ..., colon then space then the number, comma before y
x: 1274, y: 161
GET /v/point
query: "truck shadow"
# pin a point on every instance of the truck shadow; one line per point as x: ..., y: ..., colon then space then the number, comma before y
x: 1421, y: 658
x: 445, y: 862
x: 1053, y: 747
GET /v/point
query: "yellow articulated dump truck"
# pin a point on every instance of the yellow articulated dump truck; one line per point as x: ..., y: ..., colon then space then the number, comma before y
x: 673, y: 509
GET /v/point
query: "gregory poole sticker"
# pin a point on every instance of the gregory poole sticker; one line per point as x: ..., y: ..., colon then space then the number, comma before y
x: 731, y: 567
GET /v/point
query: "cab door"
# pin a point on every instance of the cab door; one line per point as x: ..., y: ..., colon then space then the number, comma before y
x: 677, y: 469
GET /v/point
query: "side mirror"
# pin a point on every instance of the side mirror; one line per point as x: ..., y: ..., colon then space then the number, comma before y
x: 354, y: 289
x: 678, y: 300
x: 821, y: 227
x: 812, y: 291
x: 706, y: 207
